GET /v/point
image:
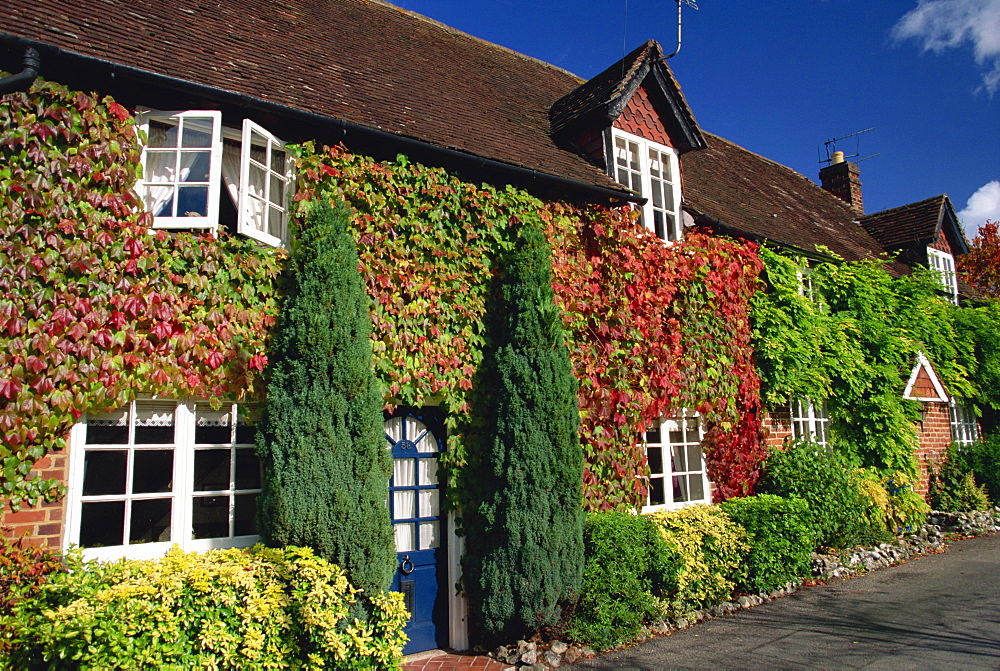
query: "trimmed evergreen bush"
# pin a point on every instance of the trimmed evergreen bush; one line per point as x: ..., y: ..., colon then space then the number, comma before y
x: 326, y: 469
x: 781, y: 539
x: 627, y: 565
x: 710, y: 549
x: 258, y: 608
x: 525, y: 536
x: 838, y: 511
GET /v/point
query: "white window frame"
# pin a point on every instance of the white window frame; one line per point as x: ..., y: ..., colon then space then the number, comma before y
x: 964, y: 427
x: 810, y: 421
x: 181, y: 493
x: 943, y: 264
x: 180, y: 119
x: 638, y: 176
x: 682, y: 422
x: 243, y: 196
x: 247, y: 198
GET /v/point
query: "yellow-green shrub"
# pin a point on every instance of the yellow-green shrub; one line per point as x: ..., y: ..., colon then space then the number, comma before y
x: 246, y: 609
x: 711, y: 549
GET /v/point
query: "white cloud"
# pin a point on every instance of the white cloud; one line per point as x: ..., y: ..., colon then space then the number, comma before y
x: 944, y: 24
x: 983, y: 205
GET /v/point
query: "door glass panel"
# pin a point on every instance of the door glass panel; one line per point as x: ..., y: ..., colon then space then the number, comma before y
x: 429, y: 536
x: 403, y: 504
x: 404, y: 537
x: 428, y: 471
x: 402, y: 473
x: 429, y: 506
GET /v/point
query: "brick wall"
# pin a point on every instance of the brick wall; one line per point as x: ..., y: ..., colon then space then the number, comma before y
x: 934, y: 437
x: 43, y: 523
x: 640, y: 118
x: 777, y: 427
x: 942, y: 244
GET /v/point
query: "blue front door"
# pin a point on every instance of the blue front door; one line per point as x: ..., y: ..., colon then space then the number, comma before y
x: 416, y: 438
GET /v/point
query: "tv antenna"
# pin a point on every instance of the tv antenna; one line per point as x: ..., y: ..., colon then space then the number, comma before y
x: 831, y: 147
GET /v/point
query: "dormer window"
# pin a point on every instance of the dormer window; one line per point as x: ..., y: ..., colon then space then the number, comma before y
x: 944, y: 264
x: 651, y: 170
x: 188, y: 158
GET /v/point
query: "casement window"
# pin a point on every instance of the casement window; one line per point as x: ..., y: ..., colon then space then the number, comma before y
x: 810, y: 421
x: 964, y: 428
x: 155, y: 473
x: 651, y: 170
x: 190, y: 158
x: 677, y: 475
x: 944, y: 264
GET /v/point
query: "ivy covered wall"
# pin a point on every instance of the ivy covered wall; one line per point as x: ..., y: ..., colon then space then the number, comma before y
x: 97, y: 308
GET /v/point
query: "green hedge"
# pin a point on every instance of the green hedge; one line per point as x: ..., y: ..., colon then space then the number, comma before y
x: 838, y: 510
x: 257, y: 608
x: 626, y: 563
x: 781, y: 538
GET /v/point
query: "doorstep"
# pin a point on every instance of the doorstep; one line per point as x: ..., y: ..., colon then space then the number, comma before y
x: 440, y: 660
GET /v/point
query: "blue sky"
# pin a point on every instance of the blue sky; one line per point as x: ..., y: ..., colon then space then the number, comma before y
x: 780, y: 77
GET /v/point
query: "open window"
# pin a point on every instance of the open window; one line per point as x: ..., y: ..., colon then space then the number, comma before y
x: 677, y: 475
x: 651, y: 170
x: 943, y: 264
x: 190, y: 158
x: 810, y: 421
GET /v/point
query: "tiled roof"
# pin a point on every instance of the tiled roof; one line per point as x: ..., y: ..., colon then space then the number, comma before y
x: 755, y: 195
x: 916, y: 223
x: 362, y: 61
x: 603, y: 97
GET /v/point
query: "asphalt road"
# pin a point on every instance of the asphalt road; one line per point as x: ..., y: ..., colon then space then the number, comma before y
x: 936, y: 612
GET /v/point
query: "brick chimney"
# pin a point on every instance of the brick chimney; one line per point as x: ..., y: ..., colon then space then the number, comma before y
x: 841, y: 178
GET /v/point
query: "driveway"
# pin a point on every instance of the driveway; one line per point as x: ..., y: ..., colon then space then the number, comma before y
x: 936, y: 612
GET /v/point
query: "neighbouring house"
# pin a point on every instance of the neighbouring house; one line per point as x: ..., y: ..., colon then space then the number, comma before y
x: 217, y: 108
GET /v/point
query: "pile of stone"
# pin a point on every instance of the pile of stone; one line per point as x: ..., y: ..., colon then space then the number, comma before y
x: 974, y: 523
x: 535, y: 656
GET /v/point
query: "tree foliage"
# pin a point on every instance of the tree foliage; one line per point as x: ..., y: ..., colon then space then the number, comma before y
x: 981, y: 266
x: 525, y: 531
x: 326, y: 471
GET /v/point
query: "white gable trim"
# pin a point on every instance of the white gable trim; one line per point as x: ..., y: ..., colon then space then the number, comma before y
x: 923, y: 362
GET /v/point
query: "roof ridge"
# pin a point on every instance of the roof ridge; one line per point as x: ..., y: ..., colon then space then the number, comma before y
x: 462, y: 33
x: 891, y: 210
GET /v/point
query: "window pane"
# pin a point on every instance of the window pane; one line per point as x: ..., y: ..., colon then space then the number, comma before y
x: 246, y: 424
x: 681, y: 489
x: 655, y: 457
x: 160, y: 166
x: 247, y: 469
x: 404, y: 537
x: 150, y: 521
x: 277, y: 192
x: 154, y: 422
x: 162, y: 134
x: 697, y: 485
x: 152, y: 471
x: 658, y: 228
x: 197, y: 165
x: 258, y: 152
x: 197, y: 132
x: 694, y: 457
x: 212, y: 426
x: 108, y: 428
x: 656, y: 493
x: 404, y: 505
x: 160, y: 194
x: 678, y: 463
x: 429, y: 535
x: 104, y: 472
x: 275, y: 222
x: 256, y: 181
x: 192, y: 201
x: 210, y: 517
x: 211, y: 470
x: 653, y: 435
x: 244, y: 516
x: 102, y: 524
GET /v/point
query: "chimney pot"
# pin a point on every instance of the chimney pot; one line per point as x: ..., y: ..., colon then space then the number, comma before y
x: 838, y: 157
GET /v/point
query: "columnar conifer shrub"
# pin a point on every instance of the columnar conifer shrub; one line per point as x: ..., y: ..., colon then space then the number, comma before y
x: 525, y: 534
x: 326, y: 471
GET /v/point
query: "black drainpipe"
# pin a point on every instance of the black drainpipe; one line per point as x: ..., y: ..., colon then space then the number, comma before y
x: 22, y: 80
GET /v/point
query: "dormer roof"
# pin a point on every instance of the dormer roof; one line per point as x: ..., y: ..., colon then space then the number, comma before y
x: 919, y: 223
x: 597, y: 103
